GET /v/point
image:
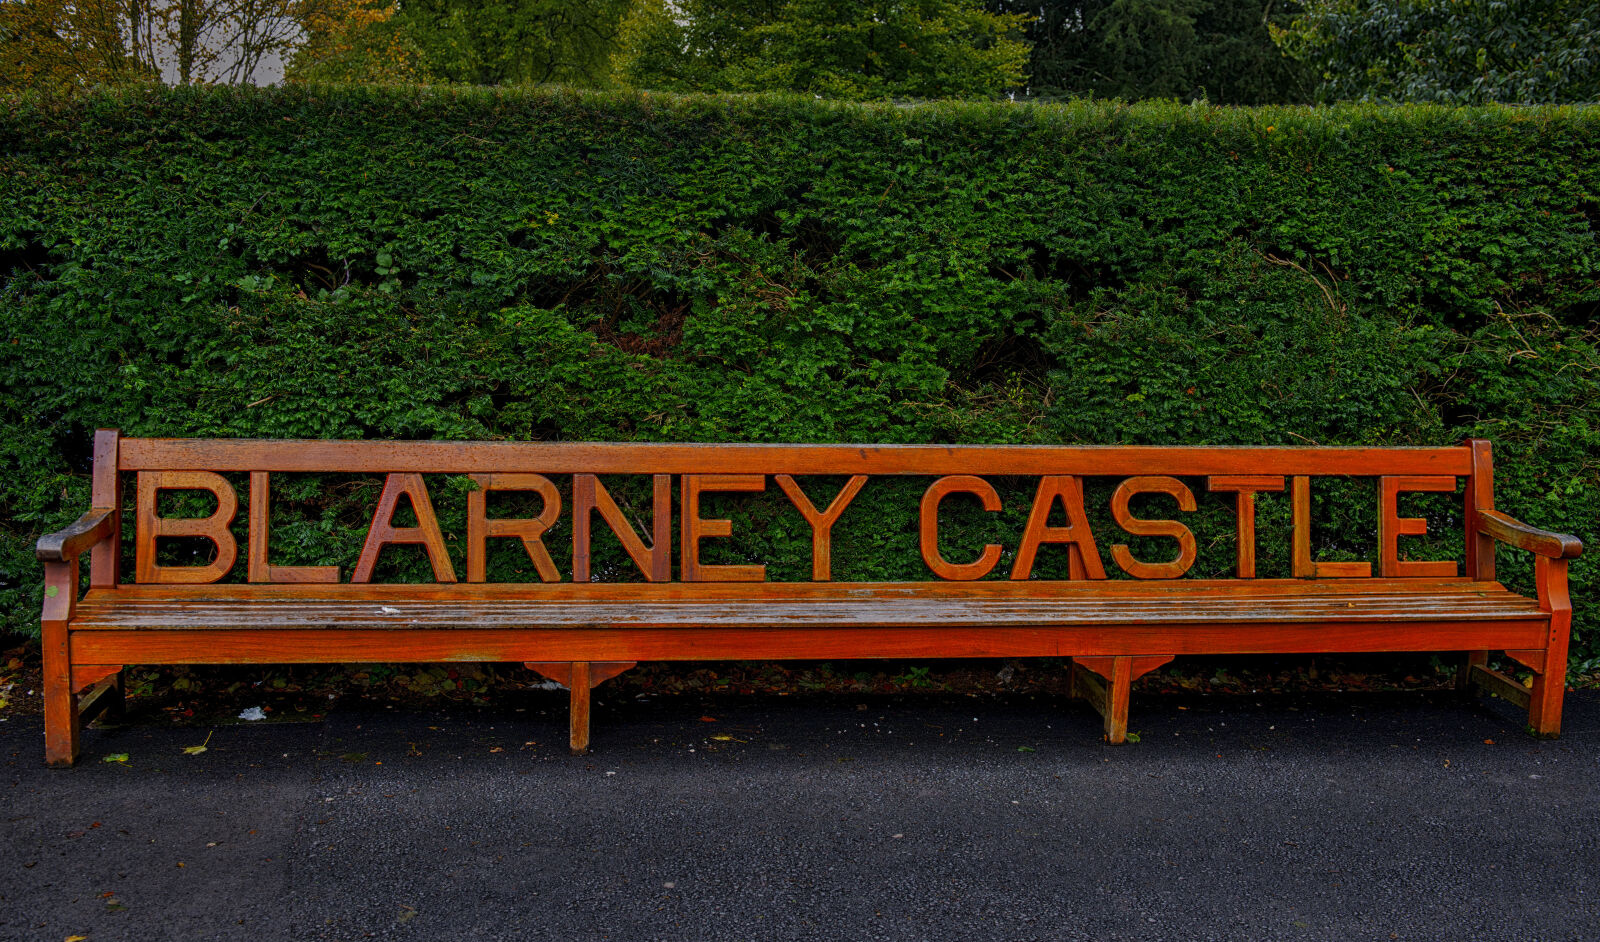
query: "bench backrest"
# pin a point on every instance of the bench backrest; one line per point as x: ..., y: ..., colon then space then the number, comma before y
x: 682, y: 473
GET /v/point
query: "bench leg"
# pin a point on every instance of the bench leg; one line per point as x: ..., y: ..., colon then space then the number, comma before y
x: 578, y: 715
x: 579, y: 677
x: 1464, y: 677
x: 61, y: 722
x: 1550, y: 684
x: 1544, y: 705
x: 1107, y: 682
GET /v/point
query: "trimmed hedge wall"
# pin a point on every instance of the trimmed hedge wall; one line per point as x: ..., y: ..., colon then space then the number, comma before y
x: 550, y: 265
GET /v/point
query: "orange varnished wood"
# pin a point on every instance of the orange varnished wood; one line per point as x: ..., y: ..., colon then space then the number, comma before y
x: 821, y: 521
x: 589, y: 496
x: 1137, y: 666
x: 659, y: 458
x: 1392, y: 526
x: 150, y: 527
x: 124, y: 613
x: 578, y: 687
x: 561, y: 671
x: 1153, y: 484
x: 1083, y: 557
x: 1534, y: 540
x: 383, y: 532
x: 1245, y: 487
x: 585, y: 631
x: 1303, y: 566
x: 90, y: 531
x: 480, y: 527
x: 87, y: 675
x: 1111, y: 697
x: 1549, y: 685
x: 928, y: 527
x: 1479, y: 496
x: 105, y: 562
x: 335, y: 645
x: 579, y: 677
x: 697, y: 528
x: 60, y: 706
x: 260, y: 567
x: 1113, y: 591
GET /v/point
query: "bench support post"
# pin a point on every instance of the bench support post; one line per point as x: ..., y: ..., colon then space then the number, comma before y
x: 1466, y: 674
x: 1106, y: 682
x: 579, y: 677
x: 1548, y: 664
x: 1550, y: 684
x: 61, y: 721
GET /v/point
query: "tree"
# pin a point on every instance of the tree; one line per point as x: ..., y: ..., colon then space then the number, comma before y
x: 1450, y: 51
x: 58, y: 43
x: 836, y: 48
x: 184, y: 42
x: 1219, y: 50
x: 370, y: 47
x: 504, y: 42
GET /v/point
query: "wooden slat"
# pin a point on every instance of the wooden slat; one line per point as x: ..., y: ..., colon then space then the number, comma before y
x: 1170, y: 591
x: 136, y: 454
x: 105, y: 696
x: 336, y: 645
x: 974, y: 613
x: 1492, y: 681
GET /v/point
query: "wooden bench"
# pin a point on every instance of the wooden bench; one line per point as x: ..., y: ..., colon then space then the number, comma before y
x: 581, y: 632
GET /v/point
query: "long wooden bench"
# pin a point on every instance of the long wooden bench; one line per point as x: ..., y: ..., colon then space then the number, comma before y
x: 581, y: 631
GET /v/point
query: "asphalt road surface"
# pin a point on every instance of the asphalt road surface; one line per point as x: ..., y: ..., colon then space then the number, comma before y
x: 1344, y: 816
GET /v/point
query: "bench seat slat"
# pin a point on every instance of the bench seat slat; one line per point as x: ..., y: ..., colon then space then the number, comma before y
x: 480, y: 607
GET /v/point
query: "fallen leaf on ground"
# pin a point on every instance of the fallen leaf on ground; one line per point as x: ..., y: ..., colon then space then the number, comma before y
x: 116, y: 757
x: 196, y: 750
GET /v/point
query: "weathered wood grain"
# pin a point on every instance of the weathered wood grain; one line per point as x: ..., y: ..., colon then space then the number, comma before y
x: 657, y: 458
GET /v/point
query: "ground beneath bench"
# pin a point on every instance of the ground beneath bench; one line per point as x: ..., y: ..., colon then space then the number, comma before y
x: 822, y: 814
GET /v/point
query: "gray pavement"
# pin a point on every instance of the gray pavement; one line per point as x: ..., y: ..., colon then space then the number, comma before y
x: 1320, y: 816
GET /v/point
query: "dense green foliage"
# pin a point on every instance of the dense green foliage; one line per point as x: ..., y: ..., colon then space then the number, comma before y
x: 831, y: 48
x: 1451, y: 51
x: 536, y: 265
x: 1217, y: 50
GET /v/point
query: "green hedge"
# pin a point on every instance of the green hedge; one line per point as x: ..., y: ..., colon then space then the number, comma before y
x: 548, y: 265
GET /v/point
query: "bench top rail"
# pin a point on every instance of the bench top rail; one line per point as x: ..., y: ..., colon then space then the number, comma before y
x: 435, y: 457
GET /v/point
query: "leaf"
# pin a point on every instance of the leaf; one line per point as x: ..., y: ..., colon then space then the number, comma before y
x: 76, y: 938
x: 116, y: 757
x: 1025, y: 749
x: 196, y: 750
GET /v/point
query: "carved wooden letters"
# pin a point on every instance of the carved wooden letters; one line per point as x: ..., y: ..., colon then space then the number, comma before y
x: 746, y: 469
x: 929, y: 527
x: 150, y: 527
x: 531, y: 532
x: 383, y: 531
x: 1138, y: 527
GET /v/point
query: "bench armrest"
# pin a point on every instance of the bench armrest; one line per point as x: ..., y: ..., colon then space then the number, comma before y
x: 1532, y: 539
x: 95, y: 525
